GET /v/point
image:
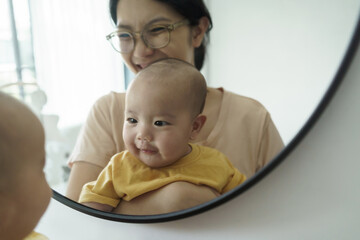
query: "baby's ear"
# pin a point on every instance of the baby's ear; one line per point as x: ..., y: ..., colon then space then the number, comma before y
x: 197, y: 125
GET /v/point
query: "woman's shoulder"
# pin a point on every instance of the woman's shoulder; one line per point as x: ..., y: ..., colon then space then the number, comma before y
x: 239, y: 103
x: 110, y: 98
x: 110, y: 102
x: 108, y: 107
x: 241, y: 99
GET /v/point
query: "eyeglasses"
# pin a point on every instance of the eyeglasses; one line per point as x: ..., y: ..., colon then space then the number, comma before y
x: 154, y: 36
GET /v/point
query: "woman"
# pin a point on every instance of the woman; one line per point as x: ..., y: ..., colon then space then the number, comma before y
x: 149, y: 30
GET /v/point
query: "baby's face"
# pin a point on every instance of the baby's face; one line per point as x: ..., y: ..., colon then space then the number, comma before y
x: 158, y: 125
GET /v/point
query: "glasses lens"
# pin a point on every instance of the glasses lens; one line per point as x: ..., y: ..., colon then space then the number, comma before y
x: 122, y: 42
x: 156, y: 36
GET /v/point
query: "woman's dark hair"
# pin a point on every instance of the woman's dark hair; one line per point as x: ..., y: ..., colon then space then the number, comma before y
x: 192, y: 10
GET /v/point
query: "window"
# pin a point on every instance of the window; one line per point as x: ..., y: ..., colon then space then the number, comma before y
x: 55, y: 57
x: 17, y: 68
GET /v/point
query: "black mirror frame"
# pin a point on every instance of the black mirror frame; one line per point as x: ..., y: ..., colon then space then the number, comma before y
x: 339, y: 76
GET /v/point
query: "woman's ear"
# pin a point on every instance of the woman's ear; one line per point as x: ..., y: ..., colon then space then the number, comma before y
x: 198, y: 32
x: 198, y: 123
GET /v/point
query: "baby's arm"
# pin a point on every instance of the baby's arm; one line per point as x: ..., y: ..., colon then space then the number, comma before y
x: 99, y: 206
x: 100, y: 194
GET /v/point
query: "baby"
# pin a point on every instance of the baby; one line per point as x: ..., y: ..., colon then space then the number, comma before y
x: 24, y: 192
x: 162, y: 115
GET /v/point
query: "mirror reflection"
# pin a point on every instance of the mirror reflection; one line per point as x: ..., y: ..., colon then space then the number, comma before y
x: 267, y: 66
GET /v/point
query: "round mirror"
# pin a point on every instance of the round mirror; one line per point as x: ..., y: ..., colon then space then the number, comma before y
x: 283, y: 54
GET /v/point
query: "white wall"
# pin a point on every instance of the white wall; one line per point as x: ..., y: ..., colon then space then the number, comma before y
x: 282, y: 53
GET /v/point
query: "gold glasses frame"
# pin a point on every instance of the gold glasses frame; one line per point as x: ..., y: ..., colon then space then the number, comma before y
x: 169, y: 28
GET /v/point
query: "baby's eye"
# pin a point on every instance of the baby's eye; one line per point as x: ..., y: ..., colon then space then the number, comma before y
x: 131, y: 120
x: 160, y: 123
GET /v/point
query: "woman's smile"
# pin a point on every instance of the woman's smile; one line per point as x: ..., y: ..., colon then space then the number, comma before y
x: 141, y: 66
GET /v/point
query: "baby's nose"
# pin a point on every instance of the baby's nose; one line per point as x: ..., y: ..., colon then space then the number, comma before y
x: 144, y: 135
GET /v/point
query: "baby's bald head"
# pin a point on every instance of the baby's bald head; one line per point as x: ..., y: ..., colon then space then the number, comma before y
x: 179, y: 78
x: 21, y: 134
x: 24, y: 192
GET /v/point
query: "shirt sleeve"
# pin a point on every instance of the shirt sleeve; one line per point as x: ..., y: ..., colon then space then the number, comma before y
x: 271, y: 143
x: 248, y: 135
x: 237, y: 179
x: 102, y: 190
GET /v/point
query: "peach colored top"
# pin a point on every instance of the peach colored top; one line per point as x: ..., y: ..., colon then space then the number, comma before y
x: 244, y: 132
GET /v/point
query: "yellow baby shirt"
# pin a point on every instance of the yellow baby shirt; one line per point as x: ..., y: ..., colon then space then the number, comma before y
x: 35, y: 236
x: 126, y: 177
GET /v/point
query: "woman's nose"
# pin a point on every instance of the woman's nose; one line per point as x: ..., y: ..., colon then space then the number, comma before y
x: 141, y: 49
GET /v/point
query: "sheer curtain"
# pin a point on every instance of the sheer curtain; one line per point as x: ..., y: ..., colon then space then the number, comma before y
x: 75, y: 64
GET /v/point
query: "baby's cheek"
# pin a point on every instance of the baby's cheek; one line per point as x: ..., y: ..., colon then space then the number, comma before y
x: 128, y: 136
x: 169, y: 144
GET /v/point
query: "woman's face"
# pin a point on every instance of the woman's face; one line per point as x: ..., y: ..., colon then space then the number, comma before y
x: 135, y: 15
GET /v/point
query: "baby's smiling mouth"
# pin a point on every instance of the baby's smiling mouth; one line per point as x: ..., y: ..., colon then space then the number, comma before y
x: 145, y: 148
x: 147, y: 151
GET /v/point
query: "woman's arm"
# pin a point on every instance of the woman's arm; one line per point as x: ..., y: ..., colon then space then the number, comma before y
x: 170, y: 198
x: 81, y: 173
x: 99, y: 206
